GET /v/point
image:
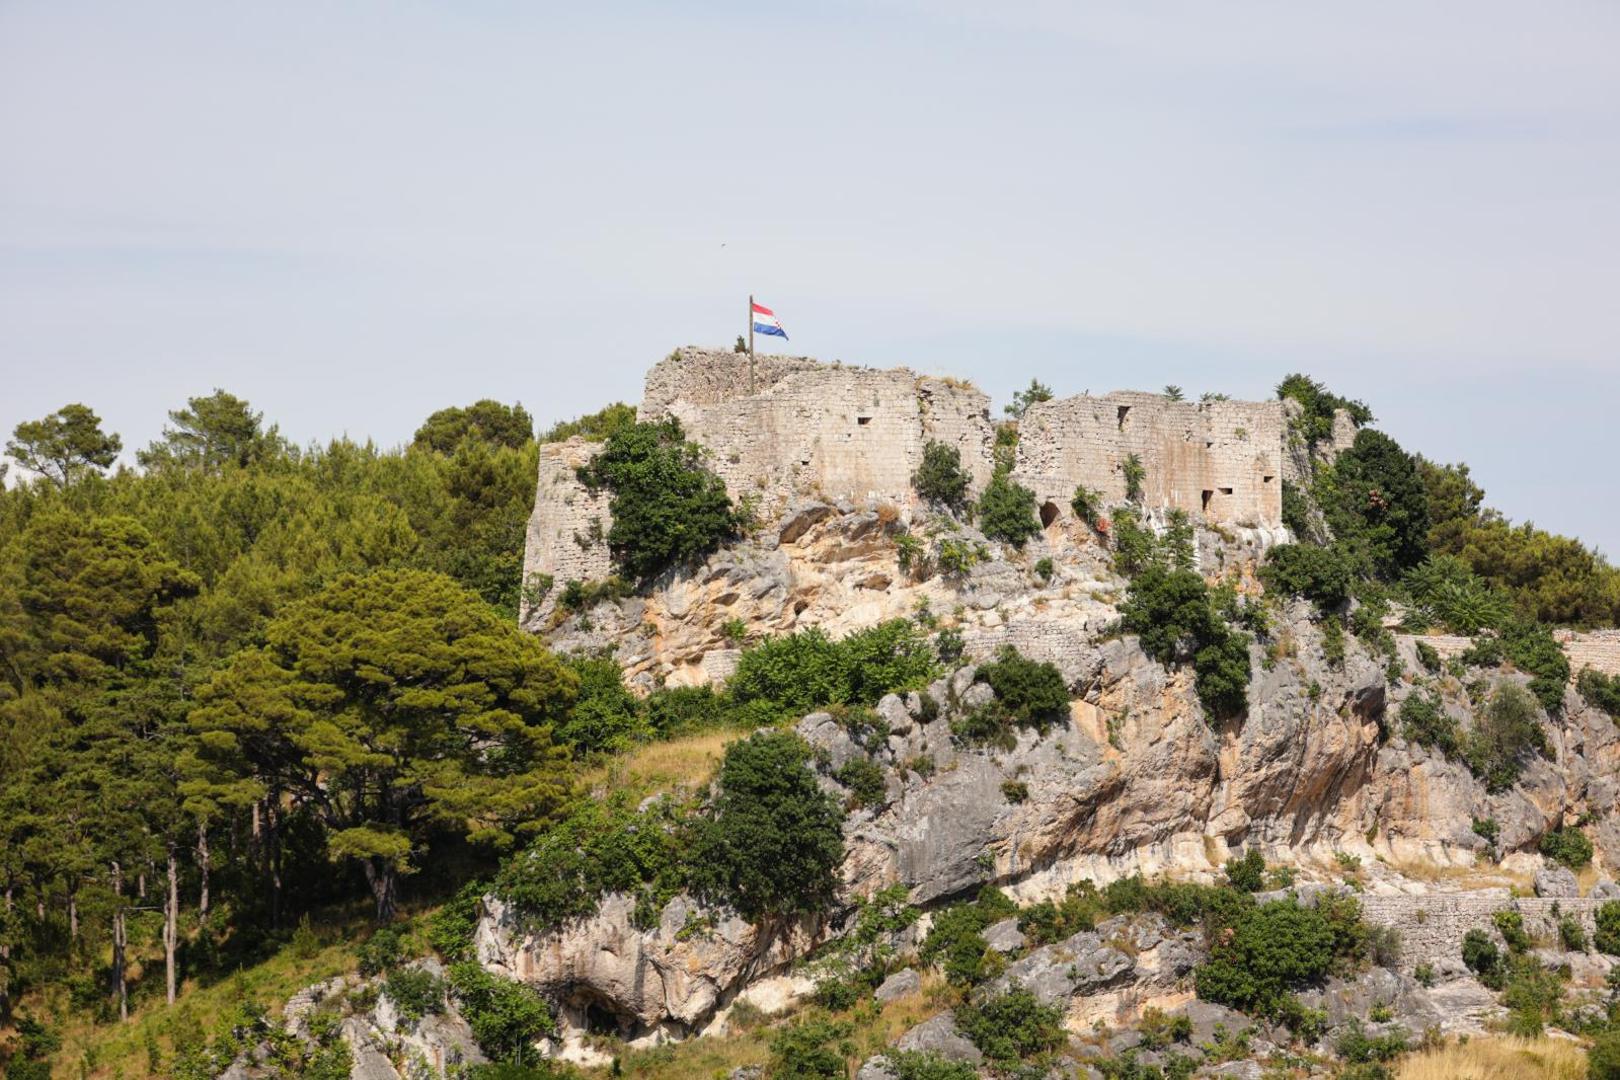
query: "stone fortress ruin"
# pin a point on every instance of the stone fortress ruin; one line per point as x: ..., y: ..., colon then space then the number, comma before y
x: 796, y: 428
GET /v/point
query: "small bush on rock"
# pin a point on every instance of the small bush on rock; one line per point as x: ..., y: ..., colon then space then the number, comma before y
x: 1481, y: 956
x: 940, y: 478
x: 1012, y: 1026
x: 812, y: 1049
x: 808, y: 670
x: 1248, y: 872
x: 1568, y: 846
x: 864, y: 779
x: 1607, y: 938
x: 1029, y: 693
x: 1007, y: 510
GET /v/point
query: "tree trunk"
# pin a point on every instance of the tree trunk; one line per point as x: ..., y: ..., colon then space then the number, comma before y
x: 119, y: 941
x: 382, y: 878
x: 272, y: 830
x: 5, y: 958
x: 171, y: 923
x: 73, y: 916
x: 202, y: 867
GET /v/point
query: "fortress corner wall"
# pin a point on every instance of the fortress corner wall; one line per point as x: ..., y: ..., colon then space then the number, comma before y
x: 1222, y: 460
x: 566, y: 529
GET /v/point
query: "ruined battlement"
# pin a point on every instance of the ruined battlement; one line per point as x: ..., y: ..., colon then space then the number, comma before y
x: 811, y: 429
x: 796, y: 428
x: 1218, y: 460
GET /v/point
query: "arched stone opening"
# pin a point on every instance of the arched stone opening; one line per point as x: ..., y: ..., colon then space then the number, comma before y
x: 1049, y: 514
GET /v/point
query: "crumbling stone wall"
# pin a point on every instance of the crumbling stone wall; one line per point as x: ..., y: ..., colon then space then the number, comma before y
x: 1432, y: 927
x: 1222, y: 460
x: 1598, y: 650
x: 830, y: 431
x: 566, y: 530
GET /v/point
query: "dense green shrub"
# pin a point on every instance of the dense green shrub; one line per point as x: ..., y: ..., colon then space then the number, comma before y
x: 812, y: 1049
x: 601, y: 846
x: 415, y: 992
x: 1603, y: 1059
x: 1134, y: 473
x: 1273, y: 949
x: 1007, y: 510
x: 667, y: 508
x: 1607, y: 937
x: 1315, y: 422
x: 1087, y: 505
x: 1601, y: 690
x: 605, y: 717
x: 505, y: 1016
x: 940, y: 477
x: 1028, y: 693
x: 1425, y: 722
x: 775, y: 841
x: 808, y: 670
x: 1482, y: 957
x: 1173, y: 613
x: 1510, y: 924
x: 450, y: 930
x: 1568, y: 846
x: 864, y: 779
x: 1376, y: 504
x: 1321, y: 575
x: 1572, y: 934
x: 595, y: 426
x: 382, y: 951
x: 955, y: 941
x: 1444, y: 592
x: 1356, y: 1046
x: 1505, y: 733
x: 927, y: 1065
x: 1011, y: 1026
x: 1247, y: 873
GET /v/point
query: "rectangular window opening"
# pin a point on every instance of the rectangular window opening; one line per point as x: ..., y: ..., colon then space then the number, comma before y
x: 1226, y: 491
x: 1208, y: 495
x: 863, y: 420
x: 1267, y: 479
x: 1124, y: 411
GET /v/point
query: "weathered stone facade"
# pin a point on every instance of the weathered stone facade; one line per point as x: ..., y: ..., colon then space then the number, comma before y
x: 797, y: 429
x: 1219, y: 459
x: 1598, y: 650
x: 1432, y: 927
x: 829, y: 431
x: 565, y: 536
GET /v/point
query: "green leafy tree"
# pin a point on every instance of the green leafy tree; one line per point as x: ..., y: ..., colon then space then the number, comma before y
x: 1007, y: 510
x: 1012, y: 1025
x: 64, y: 446
x: 776, y: 839
x: 1273, y: 949
x: 486, y: 421
x: 400, y: 701
x: 595, y: 426
x: 667, y: 508
x: 1035, y: 393
x: 940, y: 478
x: 213, y: 432
x: 1318, y: 406
x: 1376, y: 504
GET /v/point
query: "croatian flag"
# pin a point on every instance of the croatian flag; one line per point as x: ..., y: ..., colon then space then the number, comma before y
x: 766, y: 322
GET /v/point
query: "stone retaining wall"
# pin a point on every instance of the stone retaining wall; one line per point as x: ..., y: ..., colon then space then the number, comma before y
x: 1432, y: 927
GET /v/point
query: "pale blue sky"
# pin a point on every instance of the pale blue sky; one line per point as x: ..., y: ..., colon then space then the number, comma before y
x: 355, y: 213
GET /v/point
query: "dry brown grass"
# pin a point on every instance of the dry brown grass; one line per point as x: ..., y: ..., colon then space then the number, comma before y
x: 663, y: 766
x: 1494, y: 1058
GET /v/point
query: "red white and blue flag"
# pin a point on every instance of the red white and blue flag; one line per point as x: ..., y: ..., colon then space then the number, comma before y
x: 766, y: 322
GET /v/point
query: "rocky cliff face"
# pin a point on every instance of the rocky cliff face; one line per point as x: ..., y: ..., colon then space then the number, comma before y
x: 1317, y: 775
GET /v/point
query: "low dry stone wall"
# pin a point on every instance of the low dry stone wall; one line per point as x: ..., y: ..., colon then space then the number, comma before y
x: 1432, y: 927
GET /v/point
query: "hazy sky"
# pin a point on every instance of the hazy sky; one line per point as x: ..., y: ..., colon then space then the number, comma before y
x: 355, y: 213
